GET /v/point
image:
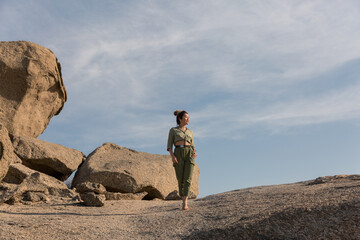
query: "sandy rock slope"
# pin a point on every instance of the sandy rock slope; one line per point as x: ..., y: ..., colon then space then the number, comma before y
x: 325, y: 208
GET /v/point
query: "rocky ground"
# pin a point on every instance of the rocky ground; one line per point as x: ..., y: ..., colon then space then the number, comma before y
x: 325, y: 208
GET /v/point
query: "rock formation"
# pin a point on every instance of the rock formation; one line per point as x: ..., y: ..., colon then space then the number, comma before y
x: 35, y: 187
x: 50, y: 158
x: 7, y: 155
x: 32, y: 89
x: 98, y: 189
x: 31, y: 93
x: 125, y: 170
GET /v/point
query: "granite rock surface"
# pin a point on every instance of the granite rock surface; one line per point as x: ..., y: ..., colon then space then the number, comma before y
x: 32, y: 89
x: 125, y: 170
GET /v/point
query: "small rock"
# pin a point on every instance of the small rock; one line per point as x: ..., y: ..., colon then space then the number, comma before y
x: 90, y: 187
x: 125, y: 196
x: 35, y: 197
x: 92, y: 199
x: 175, y: 195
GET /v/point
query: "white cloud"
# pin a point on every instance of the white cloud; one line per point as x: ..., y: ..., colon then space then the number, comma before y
x: 129, y: 60
x: 227, y: 119
x: 338, y: 105
x: 238, y: 45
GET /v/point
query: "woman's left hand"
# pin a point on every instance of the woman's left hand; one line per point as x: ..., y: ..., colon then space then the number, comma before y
x: 194, y: 155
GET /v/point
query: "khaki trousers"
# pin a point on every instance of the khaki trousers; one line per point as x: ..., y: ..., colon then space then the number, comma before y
x: 184, y: 169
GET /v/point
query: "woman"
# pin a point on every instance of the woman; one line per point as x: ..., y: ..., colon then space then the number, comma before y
x: 183, y: 157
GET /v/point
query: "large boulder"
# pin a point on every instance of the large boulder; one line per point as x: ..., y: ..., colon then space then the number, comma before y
x: 50, y: 158
x: 125, y: 170
x: 32, y: 89
x: 7, y: 155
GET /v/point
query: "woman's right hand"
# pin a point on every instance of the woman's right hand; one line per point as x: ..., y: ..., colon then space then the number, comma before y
x: 174, y: 159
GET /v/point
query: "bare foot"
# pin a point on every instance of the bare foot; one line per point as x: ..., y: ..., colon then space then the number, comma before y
x: 184, y: 205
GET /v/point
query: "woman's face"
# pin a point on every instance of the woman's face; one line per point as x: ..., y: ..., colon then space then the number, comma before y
x: 185, y: 119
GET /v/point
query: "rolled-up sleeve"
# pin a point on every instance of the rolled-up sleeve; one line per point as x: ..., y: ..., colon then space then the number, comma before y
x: 170, y: 139
x: 192, y: 141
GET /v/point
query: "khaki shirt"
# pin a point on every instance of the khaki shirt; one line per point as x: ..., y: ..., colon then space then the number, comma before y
x: 176, y: 134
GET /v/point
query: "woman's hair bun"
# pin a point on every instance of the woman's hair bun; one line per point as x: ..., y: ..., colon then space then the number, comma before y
x: 177, y: 112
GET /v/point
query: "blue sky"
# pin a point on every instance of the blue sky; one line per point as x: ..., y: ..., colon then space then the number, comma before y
x: 272, y: 87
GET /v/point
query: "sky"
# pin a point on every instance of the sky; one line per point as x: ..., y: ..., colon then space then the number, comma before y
x: 272, y: 87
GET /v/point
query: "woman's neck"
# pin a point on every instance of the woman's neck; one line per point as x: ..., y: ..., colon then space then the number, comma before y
x: 182, y: 127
